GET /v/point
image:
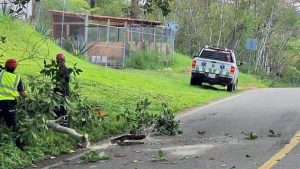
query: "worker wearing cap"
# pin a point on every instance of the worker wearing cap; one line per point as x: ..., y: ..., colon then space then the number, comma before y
x: 62, y: 83
x: 62, y: 76
x: 11, y: 86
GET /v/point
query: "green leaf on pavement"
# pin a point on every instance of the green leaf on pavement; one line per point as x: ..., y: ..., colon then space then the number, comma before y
x: 250, y: 136
x: 93, y: 156
x: 160, y: 156
x: 272, y: 133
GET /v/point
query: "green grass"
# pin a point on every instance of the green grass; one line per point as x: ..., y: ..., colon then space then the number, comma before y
x: 113, y: 89
x: 181, y: 62
x: 148, y: 61
x: 247, y: 82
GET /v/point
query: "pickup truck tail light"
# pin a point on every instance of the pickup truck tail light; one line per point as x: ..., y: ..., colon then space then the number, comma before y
x: 194, y: 64
x: 232, y: 69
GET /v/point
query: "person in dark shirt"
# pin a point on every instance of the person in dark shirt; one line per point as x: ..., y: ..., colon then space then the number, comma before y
x: 11, y: 86
x: 62, y: 76
x: 62, y: 87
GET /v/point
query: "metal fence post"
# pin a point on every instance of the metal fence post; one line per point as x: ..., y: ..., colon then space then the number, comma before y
x: 86, y: 24
x: 125, y: 44
x: 107, y: 40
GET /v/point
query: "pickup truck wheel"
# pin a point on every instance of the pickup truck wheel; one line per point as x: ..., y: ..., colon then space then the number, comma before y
x: 200, y: 83
x: 230, y: 87
x: 193, y: 81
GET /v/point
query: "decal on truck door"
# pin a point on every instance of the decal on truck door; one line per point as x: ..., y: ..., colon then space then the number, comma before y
x: 222, y: 67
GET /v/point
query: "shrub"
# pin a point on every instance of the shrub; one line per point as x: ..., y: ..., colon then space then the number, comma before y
x: 33, y: 113
x: 148, y: 60
x: 140, y: 119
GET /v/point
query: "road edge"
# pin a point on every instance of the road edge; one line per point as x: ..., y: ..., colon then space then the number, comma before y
x: 196, y: 109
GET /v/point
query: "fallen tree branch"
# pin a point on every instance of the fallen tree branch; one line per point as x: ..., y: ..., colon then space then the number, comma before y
x: 123, y: 139
x: 83, y: 139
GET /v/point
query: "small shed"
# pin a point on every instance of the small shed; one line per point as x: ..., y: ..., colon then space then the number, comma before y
x: 112, y: 39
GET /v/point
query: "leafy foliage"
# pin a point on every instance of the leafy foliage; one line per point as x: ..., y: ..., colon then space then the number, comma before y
x: 10, y: 150
x: 160, y: 156
x: 37, y: 108
x: 275, y: 26
x: 111, y: 8
x: 49, y: 144
x: 163, y: 5
x: 13, y: 8
x: 87, y: 114
x: 164, y: 123
x: 290, y: 77
x: 34, y: 110
x: 139, y: 119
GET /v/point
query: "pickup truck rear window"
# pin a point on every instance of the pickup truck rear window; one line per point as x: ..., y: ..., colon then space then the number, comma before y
x: 216, y: 55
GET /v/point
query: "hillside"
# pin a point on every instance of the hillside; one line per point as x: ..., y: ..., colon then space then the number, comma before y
x: 109, y: 85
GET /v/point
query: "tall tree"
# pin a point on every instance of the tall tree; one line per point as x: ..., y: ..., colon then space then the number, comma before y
x: 231, y: 23
x: 148, y: 6
x: 15, y: 6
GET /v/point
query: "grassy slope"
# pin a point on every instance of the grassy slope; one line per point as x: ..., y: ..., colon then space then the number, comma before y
x: 114, y: 87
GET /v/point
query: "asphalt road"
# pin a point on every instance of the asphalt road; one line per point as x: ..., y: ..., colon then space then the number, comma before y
x: 214, y: 137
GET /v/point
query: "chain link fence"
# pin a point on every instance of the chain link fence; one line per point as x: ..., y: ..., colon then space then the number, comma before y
x: 102, y: 42
x: 111, y: 45
x: 110, y: 40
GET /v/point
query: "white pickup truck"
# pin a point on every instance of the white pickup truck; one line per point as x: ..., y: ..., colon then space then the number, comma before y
x: 215, y: 65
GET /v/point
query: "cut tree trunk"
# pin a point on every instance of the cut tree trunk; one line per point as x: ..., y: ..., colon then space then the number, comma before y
x: 82, y: 139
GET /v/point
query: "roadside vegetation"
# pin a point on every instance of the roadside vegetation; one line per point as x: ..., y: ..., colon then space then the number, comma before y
x: 103, y: 93
x: 105, y: 101
x: 275, y: 26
